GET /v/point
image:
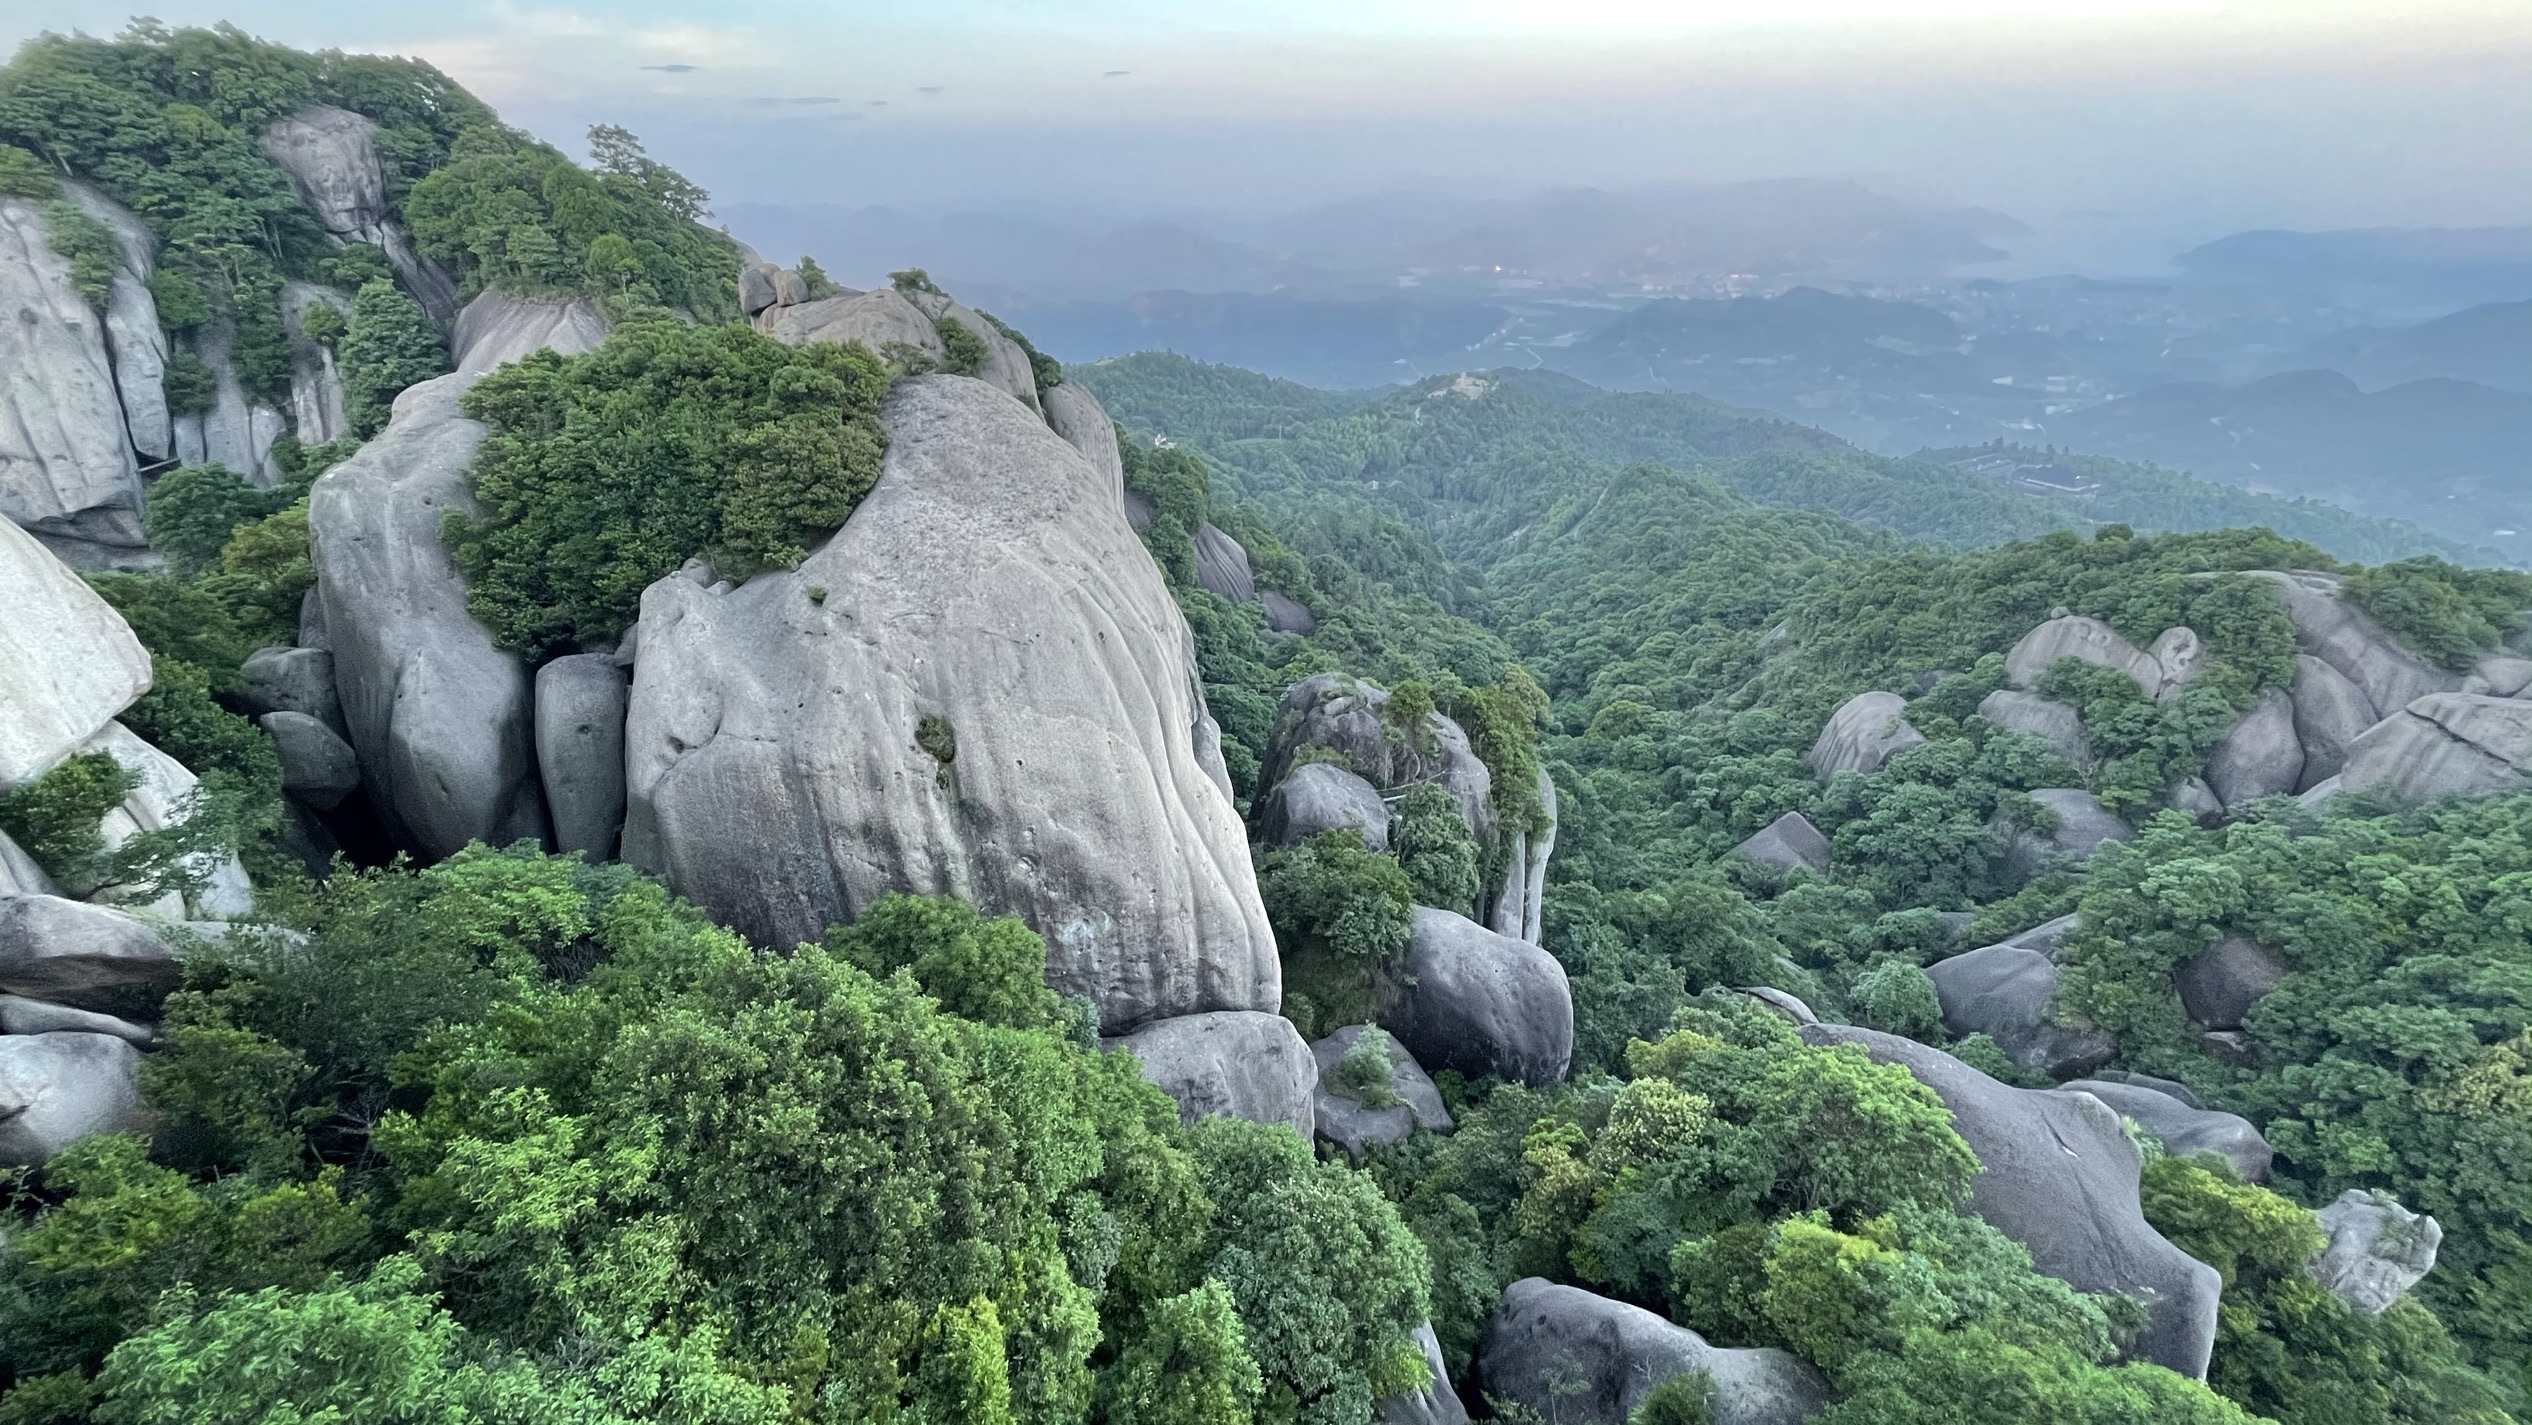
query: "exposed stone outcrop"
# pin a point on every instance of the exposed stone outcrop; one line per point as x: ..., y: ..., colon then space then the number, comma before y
x: 1320, y: 796
x: 2059, y: 1175
x: 2089, y: 639
x: 1005, y: 366
x: 1482, y: 1003
x: 1353, y: 1125
x: 580, y: 705
x: 1346, y: 716
x: 2346, y: 638
x: 2055, y: 723
x: 1581, y: 1359
x: 67, y: 471
x: 1222, y: 565
x: 1866, y: 731
x: 236, y: 431
x: 68, y: 662
x: 1788, y: 841
x: 992, y: 695
x: 89, y: 957
x: 2194, y: 796
x: 332, y: 156
x: 316, y: 383
x: 879, y: 320
x: 2178, y: 654
x: 1076, y: 415
x: 1436, y: 1404
x: 1230, y: 1063
x: 2261, y: 756
x: 1286, y: 614
x: 299, y: 680
x: 497, y: 328
x: 2185, y: 1127
x: 439, y: 715
x: 2083, y: 824
x: 19, y: 875
x: 2443, y: 744
x: 2501, y: 677
x: 2048, y: 937
x: 1520, y: 904
x: 2220, y: 984
x: 20, y: 1015
x: 2378, y: 1250
x: 317, y: 766
x: 134, y: 340
x: 162, y: 796
x: 58, y: 1087
x: 2003, y: 992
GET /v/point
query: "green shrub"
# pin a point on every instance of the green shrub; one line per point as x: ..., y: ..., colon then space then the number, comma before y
x: 54, y: 817
x: 1435, y: 849
x: 191, y: 384
x: 1896, y: 997
x: 88, y: 244
x: 1364, y: 1073
x: 1683, y: 1399
x: 388, y: 345
x: 2454, y: 616
x: 23, y: 175
x: 1342, y: 917
x: 815, y: 279
x: 964, y: 352
x: 194, y: 509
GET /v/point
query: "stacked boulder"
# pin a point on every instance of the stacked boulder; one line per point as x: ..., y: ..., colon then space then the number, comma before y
x: 1562, y: 1353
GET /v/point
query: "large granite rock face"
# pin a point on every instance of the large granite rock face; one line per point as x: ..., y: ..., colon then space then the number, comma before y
x: 1520, y: 904
x: 1436, y: 1404
x: 1785, y: 843
x: 1006, y: 365
x: 2443, y: 744
x: 331, y: 156
x: 20, y: 1015
x: 1581, y: 1359
x: 2003, y: 992
x: 2343, y: 636
x: 2087, y: 639
x: 1482, y: 1003
x: 1231, y: 1064
x: 19, y: 875
x: 236, y: 431
x: 67, y: 471
x: 2059, y: 1175
x: 580, y: 705
x: 2220, y: 984
x: 2083, y: 824
x: 86, y: 956
x: 134, y: 340
x: 1866, y: 731
x: 2185, y: 1128
x: 1076, y: 415
x: 1222, y: 565
x: 317, y: 766
x: 1346, y: 716
x: 1346, y: 1121
x: 1286, y: 614
x: 439, y: 715
x: 2378, y: 1250
x: 878, y: 320
x: 2055, y: 723
x: 68, y: 662
x: 2261, y: 756
x: 497, y: 328
x: 979, y: 687
x: 55, y: 1088
x: 162, y: 796
x: 299, y: 680
x: 2502, y: 677
x: 316, y: 382
x: 1321, y: 796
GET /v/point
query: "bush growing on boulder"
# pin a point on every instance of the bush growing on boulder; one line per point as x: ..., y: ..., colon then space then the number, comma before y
x: 54, y: 818
x: 2454, y: 616
x: 388, y: 345
x: 1435, y: 849
x: 1343, y: 916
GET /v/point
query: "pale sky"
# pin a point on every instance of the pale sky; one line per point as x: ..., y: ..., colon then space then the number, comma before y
x: 2178, y: 118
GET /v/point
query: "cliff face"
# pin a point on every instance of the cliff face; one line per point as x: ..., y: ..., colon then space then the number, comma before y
x: 67, y: 472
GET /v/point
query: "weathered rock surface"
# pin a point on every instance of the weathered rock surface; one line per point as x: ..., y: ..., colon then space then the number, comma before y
x: 2194, y: 796
x: 2059, y: 1175
x: 1286, y: 614
x: 2220, y: 984
x: 1482, y: 1003
x: 2261, y: 756
x: 1866, y: 731
x: 2088, y: 639
x: 1353, y: 1125
x: 1320, y: 796
x: 20, y: 1015
x: 2003, y: 992
x: 1231, y: 1063
x: 1345, y: 715
x: 2186, y: 1128
x: 1582, y: 1359
x: 317, y: 765
x: 299, y: 680
x: 2331, y: 712
x: 2083, y: 824
x: 1788, y: 841
x: 1436, y: 1404
x: 2346, y: 638
x: 55, y: 1088
x: 878, y: 320
x: 68, y: 662
x: 85, y: 956
x: 1792, y: 1007
x: 580, y: 704
x: 316, y: 382
x: 439, y: 715
x: 135, y: 342
x: 1076, y: 415
x: 2378, y: 1250
x: 331, y: 155
x: 236, y: 431
x: 2443, y: 744
x: 2504, y: 677
x: 2055, y: 723
x: 1520, y: 904
x: 2047, y: 937
x: 19, y: 875
x: 988, y: 590
x: 1222, y: 565
x: 66, y: 467
x: 497, y: 328
x: 2179, y: 654
x: 1006, y: 366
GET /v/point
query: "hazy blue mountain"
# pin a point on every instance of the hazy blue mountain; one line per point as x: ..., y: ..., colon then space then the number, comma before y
x: 2490, y: 344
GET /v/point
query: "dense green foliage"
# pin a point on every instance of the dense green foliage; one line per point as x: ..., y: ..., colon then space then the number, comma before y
x: 2454, y: 616
x: 1342, y: 915
x: 53, y: 818
x: 387, y: 345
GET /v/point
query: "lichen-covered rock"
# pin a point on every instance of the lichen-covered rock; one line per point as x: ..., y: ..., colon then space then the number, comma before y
x: 995, y: 697
x: 2443, y: 744
x: 85, y: 956
x: 2220, y: 984
x: 2083, y: 824
x: 580, y: 704
x: 2060, y: 1176
x: 2055, y: 723
x: 299, y: 680
x: 1866, y: 731
x: 1076, y: 415
x: 2088, y: 639
x: 67, y: 471
x: 439, y: 715
x: 2261, y: 756
x: 55, y: 1088
x: 1321, y: 796
x: 1348, y: 716
x: 2343, y: 636
x: 2378, y: 1250
x: 1346, y: 1121
x: 2185, y: 1128
x: 1229, y: 1063
x: 317, y: 766
x: 1785, y: 843
x: 1222, y: 565
x: 1581, y: 1359
x: 68, y: 662
x: 497, y: 328
x: 2003, y: 992
x: 1482, y: 1003
x: 1436, y: 1404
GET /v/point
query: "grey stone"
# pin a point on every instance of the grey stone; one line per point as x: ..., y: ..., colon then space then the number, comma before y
x: 2331, y: 712
x: 331, y: 155
x: 1320, y: 796
x: 299, y: 680
x: 2048, y: 937
x: 2169, y: 1088
x: 988, y: 583
x: 19, y: 875
x: 316, y: 383
x: 2088, y: 639
x: 1076, y: 415
x: 580, y: 703
x: 20, y: 1015
x: 1788, y: 841
x: 317, y: 766
x: 1005, y: 366
x: 439, y: 715
x: 2378, y: 1250
x: 2083, y: 824
x: 2185, y: 1128
x: 1482, y: 1003
x: 2220, y: 984
x: 2261, y: 756
x: 2059, y: 1175
x: 312, y: 620
x: 497, y: 328
x: 55, y: 1088
x: 1436, y: 1404
x: 2318, y: 796
x: 2194, y: 796
x: 2003, y: 992
x: 756, y: 288
x: 1345, y: 715
x: 1286, y: 614
x: 2055, y: 723
x: 162, y: 796
x: 67, y: 472
x: 1353, y: 1125
x: 2505, y: 677
x: 2443, y: 744
x: 1229, y: 1063
x: 1520, y: 903
x: 1138, y: 511
x: 68, y: 662
x: 1222, y: 565
x: 1784, y: 1002
x: 85, y: 956
x: 2179, y: 654
x: 1866, y: 731
x: 237, y: 431
x: 790, y: 288
x: 2344, y: 637
x: 134, y: 340
x: 2230, y: 1046
x: 1581, y: 1359
x: 878, y: 320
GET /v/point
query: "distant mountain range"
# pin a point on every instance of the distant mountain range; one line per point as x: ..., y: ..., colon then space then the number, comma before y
x: 2489, y: 344
x: 2423, y: 269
